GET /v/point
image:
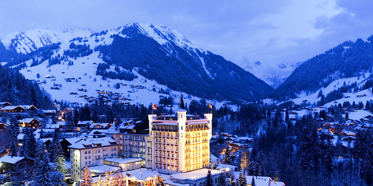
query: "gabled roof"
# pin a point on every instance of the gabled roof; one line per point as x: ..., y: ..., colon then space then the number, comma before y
x: 11, y: 160
x: 27, y: 106
x: 90, y: 142
x: 85, y: 122
x: 27, y: 120
x: 11, y: 107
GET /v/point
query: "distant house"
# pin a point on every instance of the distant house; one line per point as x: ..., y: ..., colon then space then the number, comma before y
x: 13, y: 109
x: 100, y: 126
x: 359, y: 96
x: 9, y: 164
x: 4, y: 104
x: 346, y: 133
x: 29, y: 107
x: 29, y: 122
x: 49, y: 112
x: 84, y: 124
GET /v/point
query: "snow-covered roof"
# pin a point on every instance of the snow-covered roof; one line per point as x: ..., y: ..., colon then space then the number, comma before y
x: 100, y: 124
x: 170, y: 182
x: 102, y: 169
x: 243, y: 139
x: 259, y: 180
x: 4, y: 102
x: 49, y: 111
x: 11, y: 160
x: 194, y: 175
x: 276, y: 183
x: 73, y: 140
x: 91, y: 142
x: 140, y: 174
x: 52, y: 126
x: 26, y: 106
x: 123, y: 160
x: 85, y: 122
x: 26, y: 120
x: 97, y: 131
x: 61, y: 123
x: 131, y: 126
x: 10, y: 107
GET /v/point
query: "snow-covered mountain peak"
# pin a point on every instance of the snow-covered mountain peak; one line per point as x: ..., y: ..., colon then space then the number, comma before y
x: 29, y: 41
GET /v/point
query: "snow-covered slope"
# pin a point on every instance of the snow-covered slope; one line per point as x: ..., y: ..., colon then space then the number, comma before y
x: 138, y: 49
x: 29, y: 41
x: 273, y: 75
x: 138, y: 91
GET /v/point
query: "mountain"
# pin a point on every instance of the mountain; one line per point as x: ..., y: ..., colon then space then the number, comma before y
x: 349, y: 59
x: 273, y: 75
x: 133, y: 53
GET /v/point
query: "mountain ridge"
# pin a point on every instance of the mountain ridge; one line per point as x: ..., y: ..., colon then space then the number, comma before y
x: 159, y: 53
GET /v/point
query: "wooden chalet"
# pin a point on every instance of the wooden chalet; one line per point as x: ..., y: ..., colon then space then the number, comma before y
x: 100, y: 126
x: 29, y: 122
x: 84, y: 125
x: 29, y: 107
x: 13, y: 109
x: 9, y: 164
x: 4, y: 104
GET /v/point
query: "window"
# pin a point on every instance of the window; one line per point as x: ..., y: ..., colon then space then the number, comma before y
x: 95, y: 151
x: 85, y: 152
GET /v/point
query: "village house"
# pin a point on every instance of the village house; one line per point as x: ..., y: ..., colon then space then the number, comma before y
x: 9, y: 163
x: 29, y: 122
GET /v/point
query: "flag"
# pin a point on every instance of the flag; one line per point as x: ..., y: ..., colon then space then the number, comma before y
x: 155, y: 106
x: 210, y: 106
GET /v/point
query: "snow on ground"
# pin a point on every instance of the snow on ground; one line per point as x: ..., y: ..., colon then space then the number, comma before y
x: 358, y: 114
x: 84, y: 71
x: 312, y: 98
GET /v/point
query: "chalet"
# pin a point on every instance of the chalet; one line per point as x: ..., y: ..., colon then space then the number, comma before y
x: 13, y: 109
x: 67, y: 142
x: 49, y: 112
x: 4, y: 104
x: 100, y: 126
x: 29, y: 122
x: 84, y: 124
x: 360, y: 96
x: 346, y: 133
x: 9, y: 164
x: 29, y: 107
x: 97, y: 133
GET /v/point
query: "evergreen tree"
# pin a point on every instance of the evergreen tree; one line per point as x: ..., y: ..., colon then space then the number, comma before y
x: 244, y: 183
x: 13, y: 151
x: 253, y: 182
x: 87, y: 180
x: 56, y: 178
x: 181, y: 103
x: 31, y: 145
x: 42, y: 169
x: 56, y: 148
x: 240, y: 180
x: 61, y: 165
x: 209, y: 178
x: 320, y: 94
x: 346, y: 116
x: 227, y: 159
x: 23, y: 148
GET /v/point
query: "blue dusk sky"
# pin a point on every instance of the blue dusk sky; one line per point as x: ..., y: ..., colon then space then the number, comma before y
x: 243, y: 31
